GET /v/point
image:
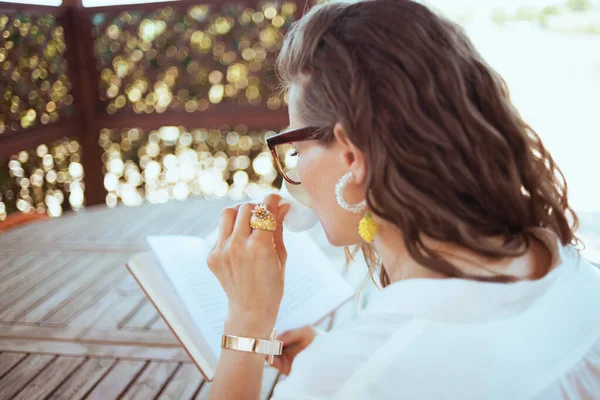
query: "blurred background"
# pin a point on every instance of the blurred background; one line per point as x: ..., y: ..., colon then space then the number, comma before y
x: 119, y: 118
x: 130, y: 102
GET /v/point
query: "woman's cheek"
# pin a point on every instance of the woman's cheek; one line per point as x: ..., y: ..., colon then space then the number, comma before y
x: 306, y: 172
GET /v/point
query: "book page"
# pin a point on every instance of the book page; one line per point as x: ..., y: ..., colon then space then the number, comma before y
x: 150, y: 276
x: 312, y: 286
x: 183, y: 259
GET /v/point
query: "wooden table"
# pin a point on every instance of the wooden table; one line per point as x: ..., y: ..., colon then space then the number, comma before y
x: 73, y: 322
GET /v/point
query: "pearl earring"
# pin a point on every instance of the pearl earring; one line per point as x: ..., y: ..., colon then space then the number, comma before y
x: 339, y: 195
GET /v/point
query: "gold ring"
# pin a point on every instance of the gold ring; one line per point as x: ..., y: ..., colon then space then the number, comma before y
x: 262, y: 219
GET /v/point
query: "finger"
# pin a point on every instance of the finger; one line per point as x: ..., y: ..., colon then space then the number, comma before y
x: 226, y: 222
x: 293, y: 351
x: 290, y: 337
x: 242, y: 222
x: 278, y: 234
x: 271, y: 202
x: 276, y: 361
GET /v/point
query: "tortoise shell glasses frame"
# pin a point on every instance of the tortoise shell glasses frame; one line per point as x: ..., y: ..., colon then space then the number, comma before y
x: 288, y: 137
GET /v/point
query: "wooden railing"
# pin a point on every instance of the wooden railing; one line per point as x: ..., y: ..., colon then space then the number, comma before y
x: 105, y: 59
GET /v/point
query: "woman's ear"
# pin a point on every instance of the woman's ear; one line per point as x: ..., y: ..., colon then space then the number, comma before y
x: 351, y: 157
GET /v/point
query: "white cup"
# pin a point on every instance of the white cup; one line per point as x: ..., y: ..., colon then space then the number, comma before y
x: 301, y: 216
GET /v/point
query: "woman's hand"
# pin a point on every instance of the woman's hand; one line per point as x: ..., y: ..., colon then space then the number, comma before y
x: 250, y: 265
x: 294, y: 342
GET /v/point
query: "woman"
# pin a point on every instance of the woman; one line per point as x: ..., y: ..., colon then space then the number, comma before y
x: 403, y: 129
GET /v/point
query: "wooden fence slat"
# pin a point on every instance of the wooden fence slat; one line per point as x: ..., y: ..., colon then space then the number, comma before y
x: 149, y: 384
x: 19, y: 376
x: 184, y: 384
x: 85, y: 378
x: 50, y: 378
x: 117, y: 380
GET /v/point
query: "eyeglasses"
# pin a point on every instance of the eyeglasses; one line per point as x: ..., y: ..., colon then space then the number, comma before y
x: 283, y: 151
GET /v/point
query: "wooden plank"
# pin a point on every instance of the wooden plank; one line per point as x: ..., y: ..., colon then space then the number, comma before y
x: 10, y: 264
x: 148, y: 7
x: 8, y: 361
x: 38, y: 332
x: 134, y: 311
x: 107, y: 303
x: 120, y: 294
x: 12, y: 144
x: 129, y: 286
x: 89, y: 276
x: 151, y: 382
x: 124, y: 351
x: 143, y: 318
x: 84, y: 78
x: 116, y: 382
x: 84, y: 298
x: 184, y: 383
x: 19, y: 376
x: 25, y: 7
x: 83, y: 380
x: 85, y: 335
x: 155, y: 338
x: 254, y: 117
x: 34, y: 267
x: 159, y: 325
x: 112, y: 318
x: 50, y: 378
x: 204, y: 392
x: 38, y: 289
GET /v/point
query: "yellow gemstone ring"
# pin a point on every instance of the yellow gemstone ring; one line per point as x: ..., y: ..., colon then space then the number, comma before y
x: 262, y: 219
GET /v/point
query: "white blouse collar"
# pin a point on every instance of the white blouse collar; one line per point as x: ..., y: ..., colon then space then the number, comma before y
x: 461, y: 300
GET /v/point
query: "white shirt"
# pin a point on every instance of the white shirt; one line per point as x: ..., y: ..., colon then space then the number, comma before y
x: 462, y: 339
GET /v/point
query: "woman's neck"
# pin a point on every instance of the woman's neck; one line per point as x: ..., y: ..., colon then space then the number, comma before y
x: 398, y: 264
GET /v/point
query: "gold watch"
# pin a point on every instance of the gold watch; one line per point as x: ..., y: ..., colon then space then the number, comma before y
x: 271, y: 347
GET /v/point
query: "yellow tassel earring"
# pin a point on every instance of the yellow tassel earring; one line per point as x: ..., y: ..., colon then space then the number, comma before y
x: 367, y: 229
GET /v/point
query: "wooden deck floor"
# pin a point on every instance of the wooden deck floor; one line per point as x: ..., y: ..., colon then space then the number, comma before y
x: 73, y: 322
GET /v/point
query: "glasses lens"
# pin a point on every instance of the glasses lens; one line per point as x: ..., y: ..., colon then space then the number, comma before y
x: 288, y: 156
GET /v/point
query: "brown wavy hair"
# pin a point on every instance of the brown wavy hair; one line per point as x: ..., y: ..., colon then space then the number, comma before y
x: 449, y: 156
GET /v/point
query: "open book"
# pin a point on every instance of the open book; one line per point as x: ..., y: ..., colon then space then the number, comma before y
x: 176, y: 278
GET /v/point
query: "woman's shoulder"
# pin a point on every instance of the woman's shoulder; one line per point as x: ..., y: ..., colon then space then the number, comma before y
x: 333, y: 358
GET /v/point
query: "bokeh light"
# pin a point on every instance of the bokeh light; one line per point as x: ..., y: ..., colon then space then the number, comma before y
x: 47, y: 179
x: 34, y: 88
x: 176, y: 163
x: 190, y: 59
